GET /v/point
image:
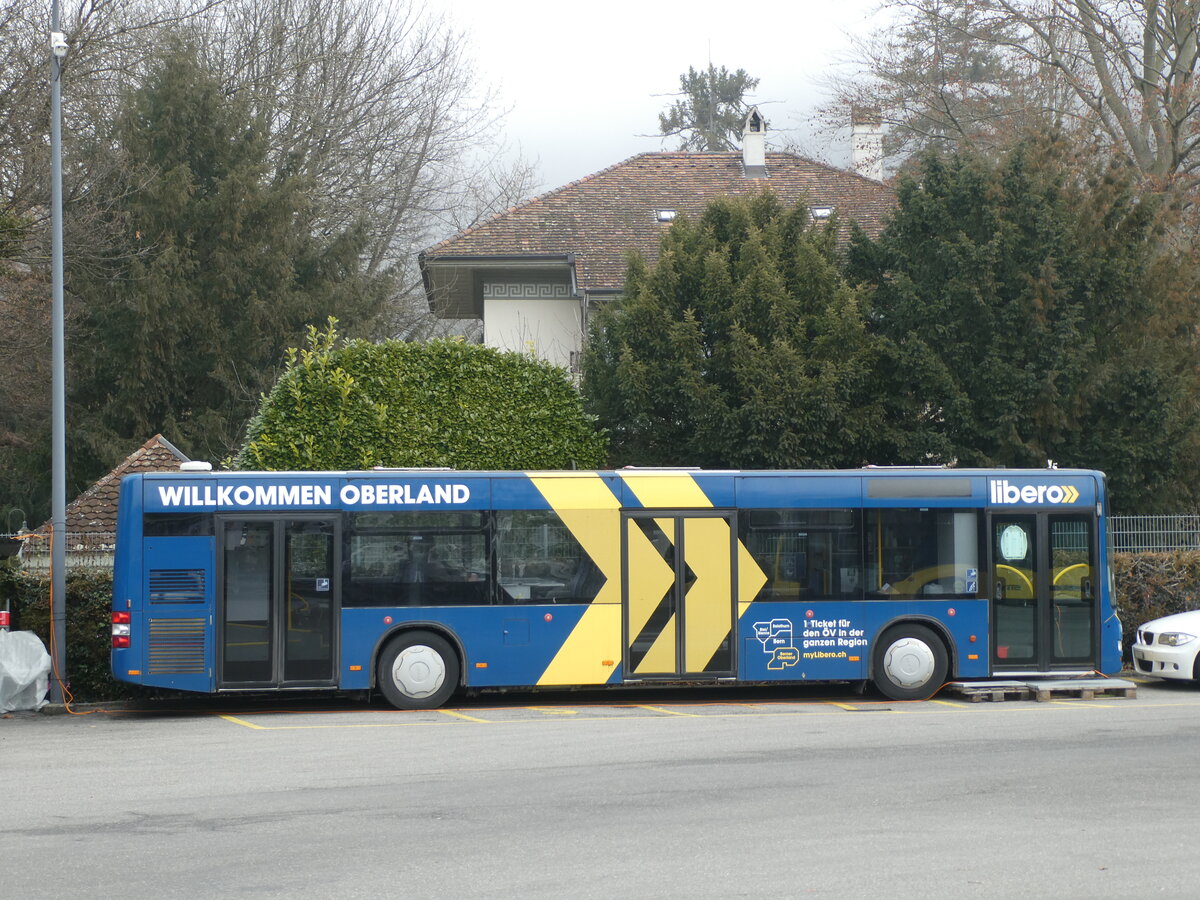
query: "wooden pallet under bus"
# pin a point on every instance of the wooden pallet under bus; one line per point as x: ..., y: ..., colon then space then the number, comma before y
x: 1043, y: 690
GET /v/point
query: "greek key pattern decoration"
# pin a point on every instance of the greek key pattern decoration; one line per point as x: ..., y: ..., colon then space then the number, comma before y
x: 526, y: 291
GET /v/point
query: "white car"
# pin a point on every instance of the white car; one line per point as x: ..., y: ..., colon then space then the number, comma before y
x: 1169, y: 647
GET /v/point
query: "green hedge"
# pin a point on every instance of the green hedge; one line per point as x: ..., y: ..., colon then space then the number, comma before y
x: 89, y: 634
x: 444, y: 403
x: 1150, y: 585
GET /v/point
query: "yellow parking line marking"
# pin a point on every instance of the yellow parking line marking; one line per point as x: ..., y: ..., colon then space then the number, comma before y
x: 458, y: 715
x: 236, y: 721
x: 670, y: 712
x: 1075, y: 701
x: 775, y: 710
x: 353, y: 725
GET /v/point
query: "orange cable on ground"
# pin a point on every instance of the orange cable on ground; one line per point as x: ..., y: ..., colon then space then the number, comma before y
x: 68, y: 697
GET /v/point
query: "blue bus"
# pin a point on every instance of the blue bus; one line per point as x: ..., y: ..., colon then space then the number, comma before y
x: 421, y: 583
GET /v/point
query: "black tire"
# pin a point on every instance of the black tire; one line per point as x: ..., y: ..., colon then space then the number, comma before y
x: 418, y: 670
x: 909, y: 663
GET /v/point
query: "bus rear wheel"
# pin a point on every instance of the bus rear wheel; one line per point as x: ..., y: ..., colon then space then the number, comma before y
x: 909, y: 663
x: 418, y: 670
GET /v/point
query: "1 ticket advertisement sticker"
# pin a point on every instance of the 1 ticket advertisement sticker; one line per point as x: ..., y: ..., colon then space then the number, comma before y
x: 831, y: 639
x: 826, y: 646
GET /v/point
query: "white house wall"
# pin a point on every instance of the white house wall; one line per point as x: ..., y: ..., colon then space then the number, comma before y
x: 548, y: 327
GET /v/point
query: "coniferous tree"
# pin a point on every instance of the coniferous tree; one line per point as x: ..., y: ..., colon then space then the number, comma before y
x: 217, y: 268
x: 376, y: 107
x: 713, y: 109
x: 25, y: 404
x: 743, y: 347
x: 1037, y: 314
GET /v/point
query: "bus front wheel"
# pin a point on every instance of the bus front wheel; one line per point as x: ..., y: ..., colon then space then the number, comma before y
x: 418, y: 670
x: 909, y: 663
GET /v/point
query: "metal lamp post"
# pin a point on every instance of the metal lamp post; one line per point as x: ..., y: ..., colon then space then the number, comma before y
x: 58, y: 500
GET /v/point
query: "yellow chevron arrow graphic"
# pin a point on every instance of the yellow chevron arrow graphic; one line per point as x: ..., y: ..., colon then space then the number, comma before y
x: 591, y: 513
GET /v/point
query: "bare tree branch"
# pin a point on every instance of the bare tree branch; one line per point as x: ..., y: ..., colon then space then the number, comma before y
x: 1124, y: 69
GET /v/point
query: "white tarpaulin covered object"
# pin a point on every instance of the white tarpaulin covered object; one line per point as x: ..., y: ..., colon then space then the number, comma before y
x: 24, y: 671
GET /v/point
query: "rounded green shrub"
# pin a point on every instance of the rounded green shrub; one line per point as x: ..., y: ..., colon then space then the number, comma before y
x: 357, y: 404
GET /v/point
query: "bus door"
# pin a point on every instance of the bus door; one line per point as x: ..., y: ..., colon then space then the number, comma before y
x: 279, y: 601
x: 678, y: 595
x: 1044, y: 603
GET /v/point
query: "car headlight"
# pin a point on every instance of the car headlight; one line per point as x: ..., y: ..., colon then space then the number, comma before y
x: 1175, y: 638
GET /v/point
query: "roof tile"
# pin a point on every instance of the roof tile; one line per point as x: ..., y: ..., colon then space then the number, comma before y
x: 95, y: 510
x: 602, y: 217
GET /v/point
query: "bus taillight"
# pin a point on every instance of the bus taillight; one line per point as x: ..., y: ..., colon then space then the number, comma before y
x: 120, y: 629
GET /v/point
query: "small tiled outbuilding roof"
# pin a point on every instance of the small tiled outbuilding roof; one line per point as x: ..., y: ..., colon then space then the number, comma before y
x: 602, y: 217
x: 95, y: 510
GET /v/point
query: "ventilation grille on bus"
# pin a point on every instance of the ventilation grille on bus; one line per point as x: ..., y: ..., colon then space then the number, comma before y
x: 176, y: 585
x: 177, y: 647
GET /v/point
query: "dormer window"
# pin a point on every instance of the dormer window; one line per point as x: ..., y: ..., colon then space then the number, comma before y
x: 665, y: 215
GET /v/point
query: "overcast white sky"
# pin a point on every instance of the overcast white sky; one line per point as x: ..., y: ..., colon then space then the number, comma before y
x: 585, y: 80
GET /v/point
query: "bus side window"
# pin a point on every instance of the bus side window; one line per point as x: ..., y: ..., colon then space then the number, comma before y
x: 915, y: 553
x: 428, y: 558
x: 806, y: 554
x: 538, y: 560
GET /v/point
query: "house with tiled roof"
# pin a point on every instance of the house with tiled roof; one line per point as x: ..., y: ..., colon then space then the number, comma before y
x: 532, y: 273
x: 92, y: 516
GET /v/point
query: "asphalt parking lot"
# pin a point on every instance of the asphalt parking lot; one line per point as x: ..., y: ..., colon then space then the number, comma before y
x: 495, y: 707
x: 739, y: 792
x: 284, y: 711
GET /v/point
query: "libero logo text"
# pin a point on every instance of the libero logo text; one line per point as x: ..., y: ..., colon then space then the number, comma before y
x: 1004, y: 491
